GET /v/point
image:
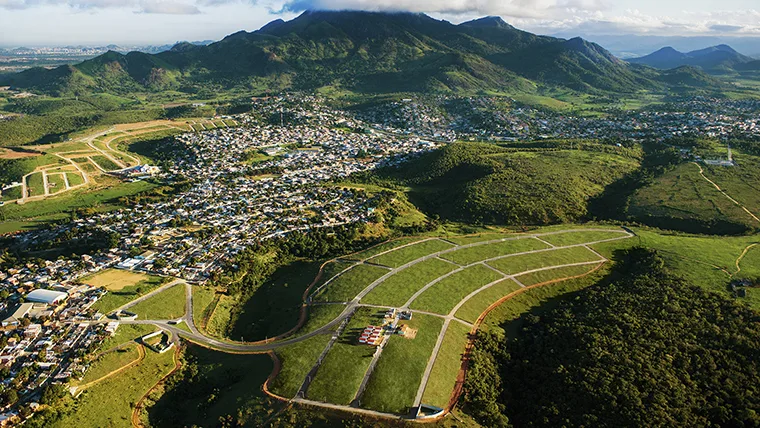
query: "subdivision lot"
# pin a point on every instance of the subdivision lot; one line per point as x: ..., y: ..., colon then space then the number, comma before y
x: 167, y: 305
x: 397, y: 289
x: 114, y: 279
x: 405, y: 255
x: 114, y: 299
x: 319, y: 315
x: 543, y: 276
x: 559, y: 257
x: 56, y: 183
x: 581, y: 237
x: 110, y: 362
x: 467, y: 256
x: 443, y: 378
x: 346, y: 286
x: 464, y: 240
x: 297, y: 360
x: 105, y: 163
x: 347, y: 360
x: 367, y: 254
x: 442, y: 297
x: 34, y: 184
x: 203, y: 297
x: 472, y: 309
x: 393, y: 384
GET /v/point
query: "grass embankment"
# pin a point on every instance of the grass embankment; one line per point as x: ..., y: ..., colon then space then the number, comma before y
x: 166, y: 305
x: 393, y: 384
x: 472, y: 309
x: 405, y: 255
x: 114, y: 299
x: 346, y: 286
x: 347, y: 362
x: 467, y: 256
x: 203, y: 297
x: 442, y: 297
x: 444, y: 375
x: 581, y: 237
x: 367, y: 254
x: 526, y: 262
x: 297, y: 360
x: 397, y: 289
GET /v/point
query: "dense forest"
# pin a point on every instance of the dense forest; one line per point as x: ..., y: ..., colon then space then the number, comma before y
x: 647, y: 349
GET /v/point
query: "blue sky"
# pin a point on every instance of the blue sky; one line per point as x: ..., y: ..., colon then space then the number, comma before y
x: 99, y: 22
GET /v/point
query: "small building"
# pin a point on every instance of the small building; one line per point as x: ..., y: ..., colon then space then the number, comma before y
x: 49, y: 297
x: 14, y: 319
x: 111, y: 327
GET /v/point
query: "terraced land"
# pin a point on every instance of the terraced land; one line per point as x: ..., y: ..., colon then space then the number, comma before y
x: 468, y: 256
x: 411, y: 253
x: 563, y: 256
x: 346, y: 286
x: 396, y: 290
x: 442, y: 297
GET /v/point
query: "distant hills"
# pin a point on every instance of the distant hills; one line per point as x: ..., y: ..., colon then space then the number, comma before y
x: 361, y: 51
x: 720, y: 58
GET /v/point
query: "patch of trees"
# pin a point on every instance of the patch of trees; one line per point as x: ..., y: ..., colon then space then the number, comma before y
x: 646, y: 350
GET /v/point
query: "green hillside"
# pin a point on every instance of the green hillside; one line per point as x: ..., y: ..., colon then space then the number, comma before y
x: 487, y: 183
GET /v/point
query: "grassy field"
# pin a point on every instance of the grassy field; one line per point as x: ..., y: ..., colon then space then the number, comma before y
x: 467, y: 256
x: 741, y: 182
x: 397, y: 289
x: 319, y: 315
x: 442, y: 297
x: 405, y: 255
x: 444, y: 375
x: 526, y: 262
x: 105, y: 163
x: 202, y: 299
x: 110, y: 362
x: 490, y: 236
x: 347, y: 361
x: 109, y: 403
x: 11, y: 194
x: 297, y: 360
x: 114, y: 279
x: 126, y: 333
x: 114, y: 299
x: 394, y: 382
x: 166, y: 305
x: 554, y: 274
x: 34, y: 184
x: 472, y: 309
x: 580, y: 237
x: 56, y: 183
x: 75, y: 179
x: 368, y: 254
x: 345, y: 287
x: 220, y: 321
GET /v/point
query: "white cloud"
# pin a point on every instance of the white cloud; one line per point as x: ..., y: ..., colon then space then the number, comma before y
x: 167, y: 8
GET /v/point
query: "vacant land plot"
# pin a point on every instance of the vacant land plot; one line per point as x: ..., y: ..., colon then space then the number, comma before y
x: 56, y: 183
x: 297, y: 360
x: 114, y: 299
x: 166, y: 305
x: 219, y: 322
x: 397, y: 289
x: 109, y: 362
x: 75, y: 179
x: 347, y: 361
x: 443, y: 378
x: 467, y: 256
x: 393, y: 384
x: 203, y: 297
x: 125, y: 333
x: 114, y: 279
x: 581, y: 237
x: 554, y: 274
x: 320, y: 315
x: 12, y: 194
x: 464, y: 240
x: 442, y: 297
x: 526, y: 262
x: 472, y: 309
x: 345, y: 287
x: 105, y: 163
x: 34, y: 184
x: 367, y: 254
x: 405, y: 255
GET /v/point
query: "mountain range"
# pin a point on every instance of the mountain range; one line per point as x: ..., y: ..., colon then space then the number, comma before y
x: 362, y: 51
x: 720, y: 58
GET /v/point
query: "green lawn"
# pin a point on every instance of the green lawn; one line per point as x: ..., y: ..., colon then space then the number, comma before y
x: 166, y: 305
x: 11, y: 194
x: 741, y: 182
x: 377, y: 249
x: 105, y: 163
x: 56, y: 183
x: 320, y: 315
x: 472, y: 309
x: 34, y: 184
x: 393, y: 384
x: 580, y: 237
x: 109, y: 403
x: 344, y: 367
x: 467, y: 256
x: 203, y: 297
x: 442, y: 297
x: 109, y: 362
x: 125, y: 333
x: 297, y: 360
x: 114, y: 299
x: 443, y: 378
x: 405, y: 255
x: 553, y: 274
x: 491, y: 236
x: 345, y: 287
x: 75, y: 179
x: 397, y: 289
x: 526, y: 262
